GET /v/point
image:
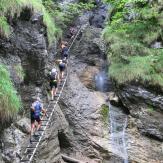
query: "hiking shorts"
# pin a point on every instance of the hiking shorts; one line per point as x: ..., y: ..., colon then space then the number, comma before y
x: 61, y: 68
x: 32, y: 117
x: 53, y: 84
x: 38, y: 119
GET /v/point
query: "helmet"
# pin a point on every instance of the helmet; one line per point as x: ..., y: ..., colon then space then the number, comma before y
x: 53, y: 70
x: 38, y: 99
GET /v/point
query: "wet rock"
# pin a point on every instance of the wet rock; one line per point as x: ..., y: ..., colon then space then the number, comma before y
x: 114, y: 99
x: 157, y: 45
x: 88, y: 75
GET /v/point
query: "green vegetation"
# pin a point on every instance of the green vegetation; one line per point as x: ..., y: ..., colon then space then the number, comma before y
x: 105, y: 113
x: 130, y: 38
x: 13, y: 8
x: 4, y: 27
x: 9, y: 100
x: 150, y: 109
x: 51, y: 10
x: 63, y: 17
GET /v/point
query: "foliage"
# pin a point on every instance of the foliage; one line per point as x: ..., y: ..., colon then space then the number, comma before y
x: 9, y: 100
x: 4, y: 27
x: 105, y: 113
x: 146, y: 69
x: 64, y: 16
x: 150, y: 109
x: 133, y: 27
x: 13, y: 8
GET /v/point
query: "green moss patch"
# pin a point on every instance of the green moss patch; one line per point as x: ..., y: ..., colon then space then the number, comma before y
x: 105, y: 113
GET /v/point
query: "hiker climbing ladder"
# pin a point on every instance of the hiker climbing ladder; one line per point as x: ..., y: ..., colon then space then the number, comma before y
x: 35, y: 140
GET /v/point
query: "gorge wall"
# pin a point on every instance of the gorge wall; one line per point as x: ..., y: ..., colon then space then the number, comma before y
x: 77, y: 128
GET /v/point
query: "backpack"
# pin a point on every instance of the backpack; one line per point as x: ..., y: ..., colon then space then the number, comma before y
x: 37, y: 108
x: 53, y: 76
x: 62, y: 65
x: 65, y: 52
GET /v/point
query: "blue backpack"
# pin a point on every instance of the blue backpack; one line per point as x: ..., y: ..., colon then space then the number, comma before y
x: 37, y: 109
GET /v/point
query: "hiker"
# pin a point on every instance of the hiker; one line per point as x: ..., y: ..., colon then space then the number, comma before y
x: 64, y: 49
x: 73, y: 31
x: 54, y: 79
x: 62, y: 66
x: 36, y: 111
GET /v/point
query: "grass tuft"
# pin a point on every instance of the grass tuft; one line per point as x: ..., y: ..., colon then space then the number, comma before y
x: 4, y: 27
x: 10, y: 102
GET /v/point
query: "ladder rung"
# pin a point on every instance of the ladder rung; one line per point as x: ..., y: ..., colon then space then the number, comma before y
x: 24, y: 160
x: 29, y: 155
x: 44, y: 120
x: 28, y: 151
x: 41, y: 130
x: 34, y: 146
x: 35, y: 140
x: 31, y: 147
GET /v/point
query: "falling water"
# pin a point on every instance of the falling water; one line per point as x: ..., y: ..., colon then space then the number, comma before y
x: 102, y: 81
x: 118, y: 123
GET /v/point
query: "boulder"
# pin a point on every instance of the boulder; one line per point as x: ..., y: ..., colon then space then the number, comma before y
x: 24, y: 125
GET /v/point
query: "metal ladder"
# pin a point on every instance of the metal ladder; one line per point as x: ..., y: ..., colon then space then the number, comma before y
x: 32, y: 147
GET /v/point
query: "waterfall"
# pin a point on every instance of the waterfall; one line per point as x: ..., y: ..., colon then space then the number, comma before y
x: 118, y: 123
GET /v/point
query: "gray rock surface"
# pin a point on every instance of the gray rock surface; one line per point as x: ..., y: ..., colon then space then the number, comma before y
x: 147, y: 108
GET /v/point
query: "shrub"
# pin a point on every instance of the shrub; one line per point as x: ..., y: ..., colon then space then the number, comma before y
x: 9, y: 100
x: 129, y: 40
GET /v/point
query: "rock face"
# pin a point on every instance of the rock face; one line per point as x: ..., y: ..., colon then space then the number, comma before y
x: 27, y: 49
x: 145, y: 127
x: 147, y: 108
x: 77, y: 128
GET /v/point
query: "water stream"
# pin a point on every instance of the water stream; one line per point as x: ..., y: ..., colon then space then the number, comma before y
x: 117, y: 118
x: 118, y: 123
